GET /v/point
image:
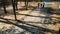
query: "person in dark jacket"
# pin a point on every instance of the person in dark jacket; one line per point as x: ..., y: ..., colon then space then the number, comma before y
x: 43, y: 4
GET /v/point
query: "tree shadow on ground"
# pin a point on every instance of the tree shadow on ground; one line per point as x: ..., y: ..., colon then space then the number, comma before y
x: 28, y: 8
x: 47, y: 10
x: 34, y: 29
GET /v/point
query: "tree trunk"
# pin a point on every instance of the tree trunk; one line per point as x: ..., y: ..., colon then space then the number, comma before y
x: 14, y: 9
x: 26, y: 4
x: 4, y: 7
x: 16, y: 4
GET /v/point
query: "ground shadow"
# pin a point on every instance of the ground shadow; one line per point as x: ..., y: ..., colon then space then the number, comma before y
x: 34, y: 29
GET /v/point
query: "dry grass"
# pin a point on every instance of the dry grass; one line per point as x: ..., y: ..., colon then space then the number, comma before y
x: 20, y: 17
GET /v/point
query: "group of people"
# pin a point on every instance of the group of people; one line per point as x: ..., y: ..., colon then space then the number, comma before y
x: 41, y: 5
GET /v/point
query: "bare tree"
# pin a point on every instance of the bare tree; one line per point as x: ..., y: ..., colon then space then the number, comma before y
x: 15, y: 1
x: 26, y: 4
x: 13, y: 4
x: 3, y: 3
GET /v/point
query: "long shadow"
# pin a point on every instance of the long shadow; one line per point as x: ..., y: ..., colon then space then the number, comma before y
x: 24, y: 21
x: 46, y: 17
x: 24, y: 8
x: 30, y: 29
x: 33, y: 22
x: 44, y: 29
x: 27, y: 28
x: 47, y: 10
x: 38, y: 16
x: 33, y: 15
x: 21, y: 26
